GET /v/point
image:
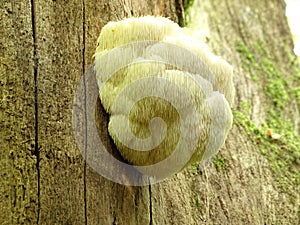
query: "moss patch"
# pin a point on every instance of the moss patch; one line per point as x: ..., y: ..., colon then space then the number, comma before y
x: 187, y: 4
x: 219, y: 162
x: 283, y: 154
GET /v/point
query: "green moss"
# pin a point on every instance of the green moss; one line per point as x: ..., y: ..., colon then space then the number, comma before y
x: 276, y: 91
x: 283, y: 154
x: 194, y: 169
x: 296, y: 93
x: 196, y: 199
x: 219, y: 162
x: 187, y: 4
x: 248, y: 60
x: 296, y: 79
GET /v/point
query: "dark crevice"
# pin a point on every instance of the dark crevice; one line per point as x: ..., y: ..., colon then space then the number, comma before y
x: 36, y: 124
x: 36, y: 147
x: 85, y: 115
x: 115, y: 220
x: 180, y: 13
x: 150, y: 205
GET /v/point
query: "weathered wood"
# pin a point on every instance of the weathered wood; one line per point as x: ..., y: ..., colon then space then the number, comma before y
x: 59, y: 43
x: 47, y: 46
x: 52, y: 44
x: 245, y: 191
x: 107, y: 202
x: 18, y: 172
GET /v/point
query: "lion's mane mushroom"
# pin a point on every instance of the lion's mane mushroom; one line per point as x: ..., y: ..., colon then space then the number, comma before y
x: 208, y: 84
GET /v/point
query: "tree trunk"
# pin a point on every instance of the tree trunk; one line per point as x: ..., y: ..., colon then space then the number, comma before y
x: 46, y: 47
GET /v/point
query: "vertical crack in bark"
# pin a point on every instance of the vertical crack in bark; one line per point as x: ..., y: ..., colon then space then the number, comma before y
x: 180, y: 12
x: 150, y: 205
x: 36, y: 122
x: 85, y: 115
x: 115, y: 220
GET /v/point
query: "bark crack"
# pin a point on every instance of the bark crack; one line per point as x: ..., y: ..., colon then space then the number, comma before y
x: 85, y: 115
x: 180, y: 13
x: 150, y: 205
x: 36, y: 122
x: 115, y: 220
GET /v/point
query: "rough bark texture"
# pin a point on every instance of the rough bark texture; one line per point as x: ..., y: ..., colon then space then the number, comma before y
x: 45, y: 48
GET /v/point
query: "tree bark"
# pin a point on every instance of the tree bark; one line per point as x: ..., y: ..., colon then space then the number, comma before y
x: 46, y: 47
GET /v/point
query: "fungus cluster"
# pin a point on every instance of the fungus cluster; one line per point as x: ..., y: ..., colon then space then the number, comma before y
x: 164, y: 91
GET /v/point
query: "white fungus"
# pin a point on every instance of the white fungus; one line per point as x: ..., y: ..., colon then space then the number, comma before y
x: 163, y: 90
